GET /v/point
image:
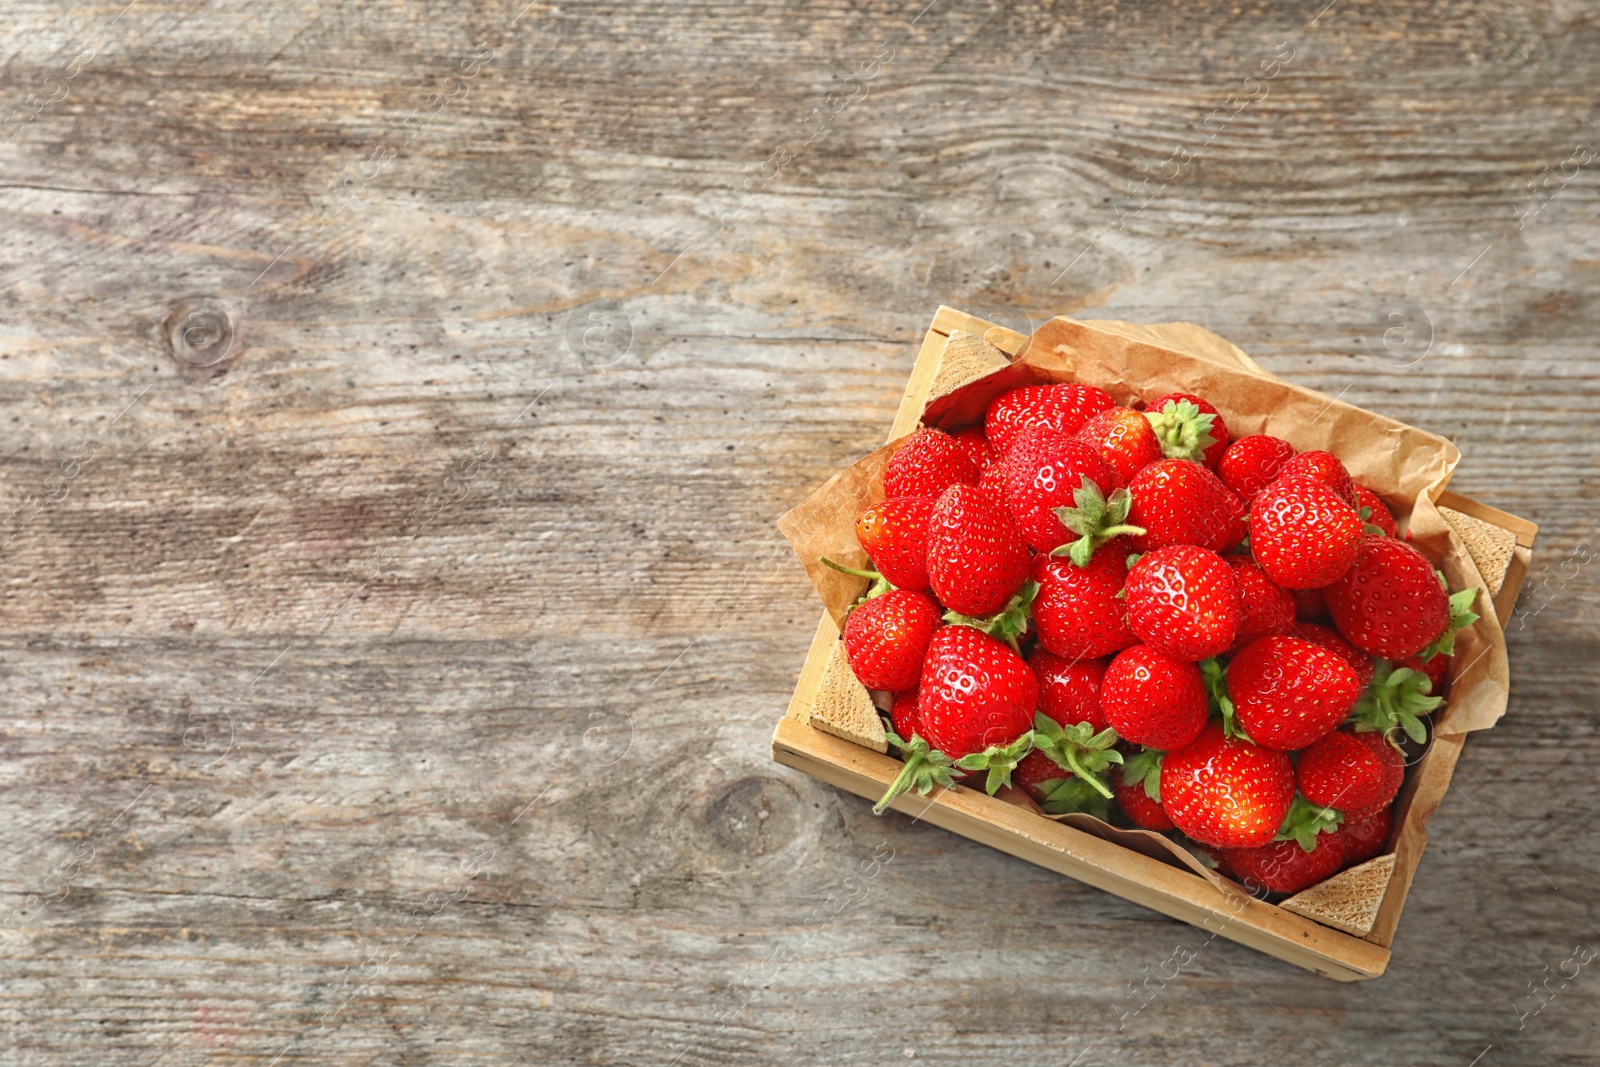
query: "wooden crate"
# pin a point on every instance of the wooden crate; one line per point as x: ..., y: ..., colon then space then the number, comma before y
x: 1342, y: 929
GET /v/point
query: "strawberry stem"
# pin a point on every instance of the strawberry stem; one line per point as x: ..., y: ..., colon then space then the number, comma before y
x: 1144, y: 768
x: 1183, y: 430
x: 1306, y: 820
x: 998, y: 760
x: 879, y: 586
x: 1461, y: 616
x: 1096, y: 520
x: 925, y: 767
x: 1077, y: 748
x: 1216, y: 680
x: 1009, y: 624
x: 1396, y: 699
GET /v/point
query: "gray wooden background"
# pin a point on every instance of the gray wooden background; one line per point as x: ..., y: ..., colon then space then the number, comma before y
x: 397, y: 399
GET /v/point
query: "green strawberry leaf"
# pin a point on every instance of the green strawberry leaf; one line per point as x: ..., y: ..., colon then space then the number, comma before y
x: 1095, y: 519
x: 1144, y: 769
x: 1183, y: 430
x: 999, y: 761
x: 1216, y: 679
x: 1461, y: 616
x: 1306, y: 820
x: 1077, y: 748
x: 925, y: 767
x: 1396, y: 699
x: 1070, y: 796
x: 1010, y: 623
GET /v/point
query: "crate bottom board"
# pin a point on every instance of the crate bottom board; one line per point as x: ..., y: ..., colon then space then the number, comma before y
x: 1082, y: 856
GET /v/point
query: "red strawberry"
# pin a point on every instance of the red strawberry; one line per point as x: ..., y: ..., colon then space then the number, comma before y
x: 1124, y: 439
x: 926, y: 464
x: 1152, y: 699
x: 993, y: 482
x: 1390, y: 602
x: 1226, y: 792
x: 1375, y: 512
x: 1334, y: 642
x: 1264, y: 606
x: 976, y: 558
x: 1183, y: 601
x: 976, y: 446
x: 905, y: 716
x: 1042, y: 471
x: 1188, y: 427
x: 886, y: 638
x: 1302, y: 533
x: 1309, y: 604
x: 1077, y: 611
x: 1063, y: 407
x: 1350, y: 771
x: 1288, y: 692
x: 976, y: 693
x: 1323, y: 467
x: 894, y: 533
x: 1137, y: 788
x: 1069, y: 690
x: 1252, y: 463
x: 1179, y: 502
x: 1286, y: 866
x: 1366, y: 836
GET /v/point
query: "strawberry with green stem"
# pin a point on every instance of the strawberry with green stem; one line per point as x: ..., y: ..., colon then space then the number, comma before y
x: 1009, y: 624
x: 1044, y: 470
x: 1397, y: 699
x: 1137, y: 789
x: 1188, y: 427
x: 1306, y: 850
x: 977, y: 699
x: 1076, y: 749
x: 1375, y: 513
x: 894, y: 535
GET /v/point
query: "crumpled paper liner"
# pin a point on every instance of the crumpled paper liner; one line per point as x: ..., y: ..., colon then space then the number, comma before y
x: 1406, y: 466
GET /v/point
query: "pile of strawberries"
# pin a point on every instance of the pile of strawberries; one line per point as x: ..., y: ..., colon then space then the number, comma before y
x: 1122, y: 612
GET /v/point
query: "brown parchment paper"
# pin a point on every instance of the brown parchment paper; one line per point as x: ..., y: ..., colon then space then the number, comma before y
x: 1406, y: 466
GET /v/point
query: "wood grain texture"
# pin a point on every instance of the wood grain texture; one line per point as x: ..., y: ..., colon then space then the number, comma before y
x: 397, y: 690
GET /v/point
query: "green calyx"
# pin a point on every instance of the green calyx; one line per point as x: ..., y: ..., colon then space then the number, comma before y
x: 879, y: 586
x: 1396, y: 699
x: 1144, y: 768
x: 1073, y: 796
x: 1183, y: 429
x: 998, y: 761
x: 1378, y: 531
x: 1009, y: 623
x: 1306, y: 820
x: 1077, y: 748
x: 1461, y: 616
x: 925, y: 767
x: 1216, y: 679
x: 1095, y: 520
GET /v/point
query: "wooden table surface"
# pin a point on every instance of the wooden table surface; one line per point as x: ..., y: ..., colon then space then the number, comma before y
x: 397, y: 401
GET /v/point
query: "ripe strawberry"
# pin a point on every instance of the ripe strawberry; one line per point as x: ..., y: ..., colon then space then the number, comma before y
x: 976, y: 694
x: 1302, y: 533
x: 993, y: 482
x: 886, y: 638
x: 1042, y: 471
x: 1069, y: 690
x: 1078, y: 613
x: 976, y: 446
x: 894, y: 533
x: 1183, y: 601
x: 1366, y: 836
x: 1153, y: 699
x: 1137, y: 788
x: 926, y: 464
x: 1252, y: 463
x: 1324, y: 467
x: 1334, y: 642
x: 1350, y: 771
x: 1063, y: 407
x: 1264, y: 606
x: 1188, y: 427
x: 1124, y: 439
x: 1309, y: 605
x: 1179, y: 502
x: 1226, y: 792
x: 1288, y: 692
x: 1390, y: 602
x: 1287, y: 866
x: 1374, y: 512
x: 905, y: 716
x: 976, y: 558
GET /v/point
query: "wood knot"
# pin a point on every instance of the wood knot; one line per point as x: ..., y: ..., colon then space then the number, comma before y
x: 200, y: 333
